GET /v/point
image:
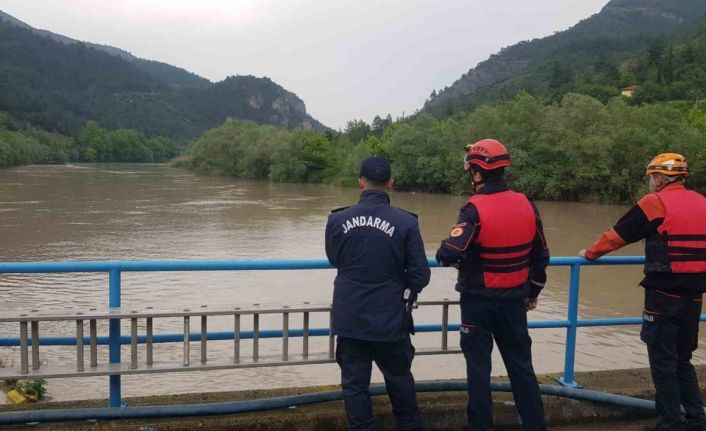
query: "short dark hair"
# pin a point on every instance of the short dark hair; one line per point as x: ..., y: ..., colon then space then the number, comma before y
x: 490, y: 176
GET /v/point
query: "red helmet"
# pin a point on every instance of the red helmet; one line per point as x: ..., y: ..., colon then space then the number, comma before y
x: 489, y: 154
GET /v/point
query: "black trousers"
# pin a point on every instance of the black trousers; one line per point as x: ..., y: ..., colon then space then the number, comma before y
x: 394, y: 359
x: 670, y: 329
x: 483, y: 320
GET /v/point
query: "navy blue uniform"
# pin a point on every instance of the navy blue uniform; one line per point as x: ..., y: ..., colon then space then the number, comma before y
x: 378, y: 251
x: 495, y: 313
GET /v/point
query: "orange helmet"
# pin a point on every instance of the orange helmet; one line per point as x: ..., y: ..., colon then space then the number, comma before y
x: 488, y: 154
x: 668, y: 164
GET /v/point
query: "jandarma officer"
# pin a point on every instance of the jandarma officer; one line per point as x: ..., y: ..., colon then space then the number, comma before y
x: 498, y: 246
x: 378, y: 252
x: 671, y: 221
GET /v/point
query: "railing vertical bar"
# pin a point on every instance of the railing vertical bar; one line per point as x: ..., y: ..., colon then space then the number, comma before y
x: 114, y: 287
x: 445, y: 327
x: 330, y: 335
x: 150, y: 342
x: 24, y: 353
x: 133, y: 343
x: 236, y: 339
x: 285, y: 337
x: 305, y: 335
x: 204, y: 338
x: 35, y: 345
x: 93, y: 341
x: 255, y: 336
x: 187, y: 335
x: 79, y: 345
x: 572, y: 316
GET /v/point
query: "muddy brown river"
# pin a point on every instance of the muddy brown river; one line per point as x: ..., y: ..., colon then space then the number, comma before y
x: 150, y: 212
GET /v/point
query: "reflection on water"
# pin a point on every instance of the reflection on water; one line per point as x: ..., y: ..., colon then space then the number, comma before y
x: 96, y: 212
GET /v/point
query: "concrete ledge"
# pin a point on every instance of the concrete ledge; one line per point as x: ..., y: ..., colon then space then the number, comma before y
x: 441, y: 411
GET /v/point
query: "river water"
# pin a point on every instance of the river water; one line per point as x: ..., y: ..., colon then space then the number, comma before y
x: 97, y: 212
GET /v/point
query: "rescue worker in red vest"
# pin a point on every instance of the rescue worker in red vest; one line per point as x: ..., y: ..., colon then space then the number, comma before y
x: 672, y: 221
x: 499, y: 249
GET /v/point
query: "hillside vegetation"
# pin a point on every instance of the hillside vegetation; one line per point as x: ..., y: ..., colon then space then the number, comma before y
x: 566, y: 61
x: 58, y: 84
x: 20, y: 145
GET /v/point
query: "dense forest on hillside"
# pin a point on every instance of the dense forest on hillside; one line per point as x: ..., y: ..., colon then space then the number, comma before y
x: 579, y: 149
x: 564, y: 62
x: 59, y: 86
x: 660, y: 73
x: 166, y: 73
x: 21, y: 145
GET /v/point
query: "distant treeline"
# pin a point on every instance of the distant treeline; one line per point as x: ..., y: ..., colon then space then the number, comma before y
x: 22, y: 145
x: 580, y: 149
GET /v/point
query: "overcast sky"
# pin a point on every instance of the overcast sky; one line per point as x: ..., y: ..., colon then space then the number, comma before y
x: 347, y: 59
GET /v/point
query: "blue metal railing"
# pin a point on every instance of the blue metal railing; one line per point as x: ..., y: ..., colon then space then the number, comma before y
x: 116, y: 268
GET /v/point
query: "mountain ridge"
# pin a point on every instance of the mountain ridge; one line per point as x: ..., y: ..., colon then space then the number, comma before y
x: 621, y: 27
x: 59, y: 84
x: 156, y: 69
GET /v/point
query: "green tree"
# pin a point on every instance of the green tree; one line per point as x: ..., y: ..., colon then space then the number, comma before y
x: 94, y: 143
x: 357, y: 130
x: 380, y: 124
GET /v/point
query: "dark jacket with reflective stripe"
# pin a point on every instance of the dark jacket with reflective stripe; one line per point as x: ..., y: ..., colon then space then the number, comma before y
x: 524, y: 263
x: 378, y: 251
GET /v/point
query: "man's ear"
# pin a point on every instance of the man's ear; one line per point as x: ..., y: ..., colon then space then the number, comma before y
x: 361, y: 183
x: 477, y: 177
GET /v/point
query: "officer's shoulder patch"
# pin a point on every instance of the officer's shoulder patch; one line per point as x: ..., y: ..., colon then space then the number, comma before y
x: 339, y: 209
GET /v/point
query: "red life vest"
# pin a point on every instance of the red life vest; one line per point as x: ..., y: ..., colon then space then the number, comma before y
x: 682, y: 234
x: 507, y: 229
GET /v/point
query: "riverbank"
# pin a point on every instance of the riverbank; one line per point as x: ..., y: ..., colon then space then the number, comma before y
x: 441, y: 411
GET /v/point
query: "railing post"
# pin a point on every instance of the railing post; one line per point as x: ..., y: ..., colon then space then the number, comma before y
x: 568, y: 378
x: 305, y: 335
x: 24, y: 351
x: 35, y: 344
x: 79, y: 345
x: 445, y: 327
x: 114, y: 337
x: 150, y: 355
